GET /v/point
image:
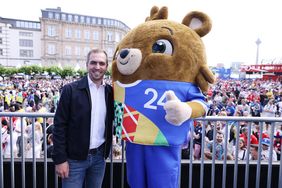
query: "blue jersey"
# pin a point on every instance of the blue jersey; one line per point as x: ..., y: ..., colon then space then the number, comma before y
x: 143, y: 116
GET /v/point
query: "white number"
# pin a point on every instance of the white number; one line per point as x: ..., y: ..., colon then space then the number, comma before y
x: 153, y: 99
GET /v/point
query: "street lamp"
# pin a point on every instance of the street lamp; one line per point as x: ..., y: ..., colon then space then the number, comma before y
x: 258, y: 42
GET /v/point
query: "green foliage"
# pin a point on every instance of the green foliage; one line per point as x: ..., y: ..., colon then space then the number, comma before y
x: 35, y: 69
x: 53, y: 70
x: 67, y: 71
x: 81, y: 72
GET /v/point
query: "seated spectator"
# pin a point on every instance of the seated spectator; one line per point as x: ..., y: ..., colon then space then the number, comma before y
x: 242, y: 152
x: 265, y: 150
x: 277, y: 144
x: 219, y: 148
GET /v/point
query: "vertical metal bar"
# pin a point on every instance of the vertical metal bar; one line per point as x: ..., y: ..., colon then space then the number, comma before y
x: 259, y: 157
x: 235, y: 176
x: 33, y: 155
x: 45, y: 152
x: 248, y: 159
x: 191, y: 156
x: 270, y: 157
x: 280, y: 167
x: 111, y: 167
x: 213, y: 157
x: 22, y: 152
x: 56, y: 179
x: 122, y: 163
x: 12, y: 153
x: 1, y: 160
x: 202, y: 156
x: 225, y: 155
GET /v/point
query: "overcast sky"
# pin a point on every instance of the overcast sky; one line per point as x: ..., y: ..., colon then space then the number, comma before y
x: 237, y: 24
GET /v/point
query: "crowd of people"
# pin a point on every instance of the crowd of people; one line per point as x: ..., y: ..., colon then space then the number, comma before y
x: 243, y: 98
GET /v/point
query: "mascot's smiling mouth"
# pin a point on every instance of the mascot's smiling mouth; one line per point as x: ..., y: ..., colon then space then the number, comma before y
x: 129, y: 60
x: 124, y: 63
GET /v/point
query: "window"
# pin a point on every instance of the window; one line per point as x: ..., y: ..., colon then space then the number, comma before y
x: 68, y: 33
x: 77, y: 51
x: 109, y: 36
x: 86, y: 50
x: 87, y: 20
x: 0, y: 29
x: 77, y: 34
x: 70, y: 18
x: 57, y: 16
x: 93, y: 20
x: 26, y: 34
x: 1, y: 51
x: 63, y: 17
x: 110, y: 52
x: 26, y: 53
x: 99, y: 21
x: 67, y: 50
x: 76, y: 18
x: 95, y: 35
x: 1, y: 41
x: 26, y: 43
x: 82, y: 19
x: 87, y: 35
x: 51, y: 49
x: 51, y: 31
x: 50, y: 15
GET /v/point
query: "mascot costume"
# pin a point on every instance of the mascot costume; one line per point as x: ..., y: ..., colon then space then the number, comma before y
x: 159, y: 73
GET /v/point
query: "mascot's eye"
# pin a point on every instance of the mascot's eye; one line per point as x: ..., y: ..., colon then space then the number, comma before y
x: 162, y: 46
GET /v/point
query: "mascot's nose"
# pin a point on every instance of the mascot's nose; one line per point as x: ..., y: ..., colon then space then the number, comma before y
x: 124, y: 53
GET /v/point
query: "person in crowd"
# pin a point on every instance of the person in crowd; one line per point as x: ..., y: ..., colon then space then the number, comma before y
x: 219, y: 148
x: 82, y: 133
x: 38, y: 134
x: 265, y: 150
x: 277, y: 144
x: 254, y: 152
x: 197, y: 140
x: 242, y: 151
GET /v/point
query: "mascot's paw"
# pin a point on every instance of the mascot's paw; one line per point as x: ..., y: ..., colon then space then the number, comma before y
x: 177, y: 112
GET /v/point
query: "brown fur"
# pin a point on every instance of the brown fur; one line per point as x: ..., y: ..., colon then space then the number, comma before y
x: 188, y: 61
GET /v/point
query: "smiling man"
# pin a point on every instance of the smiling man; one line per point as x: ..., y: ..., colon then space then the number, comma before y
x: 83, y: 126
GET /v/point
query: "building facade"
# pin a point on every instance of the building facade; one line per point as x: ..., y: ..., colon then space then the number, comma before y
x: 66, y: 38
x: 58, y: 39
x: 20, y: 42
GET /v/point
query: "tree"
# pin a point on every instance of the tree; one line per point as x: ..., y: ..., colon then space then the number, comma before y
x: 2, y: 71
x: 67, y: 71
x: 53, y: 70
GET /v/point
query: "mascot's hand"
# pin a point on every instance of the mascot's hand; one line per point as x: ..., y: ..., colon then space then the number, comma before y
x: 176, y: 111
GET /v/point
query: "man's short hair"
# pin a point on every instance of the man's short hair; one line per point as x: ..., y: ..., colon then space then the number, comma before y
x: 96, y: 51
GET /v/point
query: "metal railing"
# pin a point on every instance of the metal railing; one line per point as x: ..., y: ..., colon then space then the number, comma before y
x: 12, y: 158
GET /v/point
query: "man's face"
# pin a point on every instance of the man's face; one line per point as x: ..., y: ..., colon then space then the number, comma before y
x: 219, y: 138
x: 97, y: 67
x: 254, y: 152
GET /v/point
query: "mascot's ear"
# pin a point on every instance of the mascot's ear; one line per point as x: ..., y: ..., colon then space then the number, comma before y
x: 199, y: 22
x: 157, y: 14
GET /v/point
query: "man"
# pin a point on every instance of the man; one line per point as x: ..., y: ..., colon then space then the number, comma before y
x: 82, y: 132
x: 219, y: 148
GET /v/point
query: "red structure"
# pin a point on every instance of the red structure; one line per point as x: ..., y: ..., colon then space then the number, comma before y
x: 269, y: 71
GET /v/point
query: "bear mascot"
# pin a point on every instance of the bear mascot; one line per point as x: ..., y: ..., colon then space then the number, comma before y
x: 159, y: 75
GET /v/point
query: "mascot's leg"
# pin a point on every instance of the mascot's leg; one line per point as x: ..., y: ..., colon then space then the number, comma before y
x: 135, y: 165
x: 153, y: 166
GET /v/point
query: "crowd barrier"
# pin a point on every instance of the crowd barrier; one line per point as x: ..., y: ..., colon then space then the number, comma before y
x: 39, y: 172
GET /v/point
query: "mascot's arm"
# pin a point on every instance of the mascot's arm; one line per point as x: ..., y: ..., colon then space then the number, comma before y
x: 178, y: 112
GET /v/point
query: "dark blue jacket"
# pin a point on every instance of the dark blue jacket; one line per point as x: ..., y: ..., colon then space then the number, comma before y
x: 71, y: 133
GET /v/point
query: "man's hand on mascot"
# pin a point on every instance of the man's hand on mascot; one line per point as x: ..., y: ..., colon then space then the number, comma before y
x: 177, y: 112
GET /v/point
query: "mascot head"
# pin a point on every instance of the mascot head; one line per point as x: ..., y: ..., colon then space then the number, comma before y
x: 160, y: 49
